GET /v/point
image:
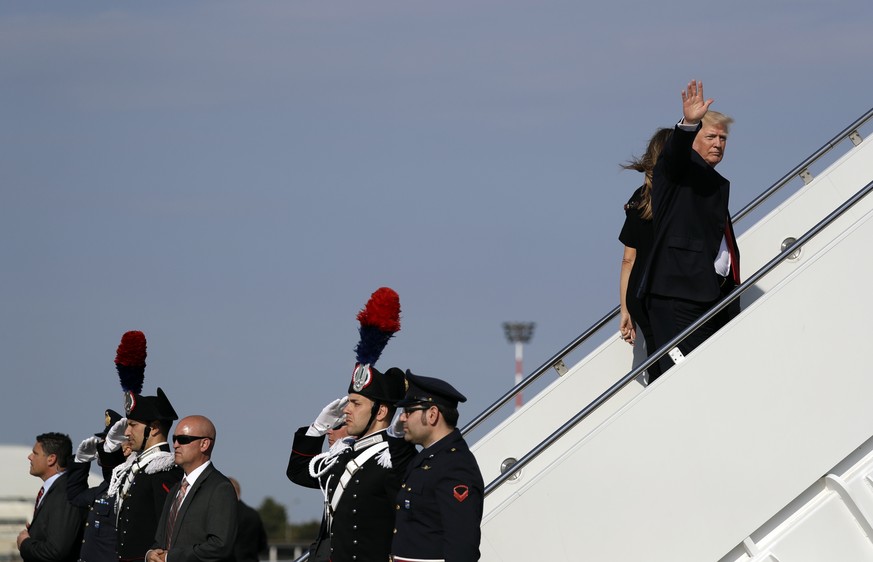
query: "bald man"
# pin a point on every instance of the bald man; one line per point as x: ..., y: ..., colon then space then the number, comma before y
x: 199, y: 520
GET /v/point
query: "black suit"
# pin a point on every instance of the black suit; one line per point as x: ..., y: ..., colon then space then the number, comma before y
x: 690, y: 206
x: 251, y: 538
x: 206, y: 524
x: 56, y: 529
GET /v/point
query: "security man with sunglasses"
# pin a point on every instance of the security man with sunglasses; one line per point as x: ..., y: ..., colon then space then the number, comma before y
x: 199, y: 520
x: 439, y: 506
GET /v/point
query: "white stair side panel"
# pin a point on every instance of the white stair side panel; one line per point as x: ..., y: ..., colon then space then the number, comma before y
x: 698, y: 461
x: 803, y: 210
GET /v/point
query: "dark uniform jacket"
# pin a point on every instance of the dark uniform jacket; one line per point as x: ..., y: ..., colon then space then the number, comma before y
x: 439, y: 507
x: 690, y: 206
x: 56, y: 529
x: 143, y: 502
x: 206, y: 523
x: 99, y: 538
x: 364, y: 518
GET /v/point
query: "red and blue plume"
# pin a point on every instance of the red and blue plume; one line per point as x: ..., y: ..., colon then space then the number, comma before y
x: 380, y: 320
x: 130, y: 361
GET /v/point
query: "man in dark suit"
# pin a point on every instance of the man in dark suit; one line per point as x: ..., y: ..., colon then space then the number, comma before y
x: 694, y: 260
x: 56, y: 528
x: 251, y: 537
x: 199, y: 520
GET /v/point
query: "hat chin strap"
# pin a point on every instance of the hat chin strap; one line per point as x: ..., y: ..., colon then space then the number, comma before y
x: 373, y: 411
x: 145, y: 437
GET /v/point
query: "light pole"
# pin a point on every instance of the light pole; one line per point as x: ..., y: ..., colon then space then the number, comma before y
x: 518, y: 333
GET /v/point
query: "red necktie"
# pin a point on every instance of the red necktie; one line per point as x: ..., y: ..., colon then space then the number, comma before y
x: 174, y: 511
x: 732, y: 250
x: 38, y: 498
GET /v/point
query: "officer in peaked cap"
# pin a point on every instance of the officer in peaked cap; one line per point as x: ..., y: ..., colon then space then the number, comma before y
x: 141, y: 484
x: 439, y: 506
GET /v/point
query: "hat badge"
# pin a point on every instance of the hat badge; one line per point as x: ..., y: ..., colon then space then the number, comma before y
x: 129, y: 402
x: 362, y: 377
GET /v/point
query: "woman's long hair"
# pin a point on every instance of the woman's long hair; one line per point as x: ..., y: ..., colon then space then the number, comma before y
x: 646, y: 164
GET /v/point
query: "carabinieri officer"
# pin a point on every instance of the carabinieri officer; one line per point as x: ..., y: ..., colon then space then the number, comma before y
x: 439, y: 506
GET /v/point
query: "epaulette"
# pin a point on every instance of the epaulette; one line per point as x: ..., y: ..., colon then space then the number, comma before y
x: 161, y: 461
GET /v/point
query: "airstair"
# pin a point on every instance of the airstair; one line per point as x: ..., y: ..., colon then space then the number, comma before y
x: 757, y: 447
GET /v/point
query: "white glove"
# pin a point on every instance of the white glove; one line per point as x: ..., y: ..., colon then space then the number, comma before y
x: 115, y: 436
x: 87, y: 450
x: 396, y: 427
x: 330, y: 416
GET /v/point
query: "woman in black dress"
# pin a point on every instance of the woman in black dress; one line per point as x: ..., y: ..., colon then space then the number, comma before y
x: 637, y: 236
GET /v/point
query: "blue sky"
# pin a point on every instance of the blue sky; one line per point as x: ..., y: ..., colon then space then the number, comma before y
x: 235, y: 179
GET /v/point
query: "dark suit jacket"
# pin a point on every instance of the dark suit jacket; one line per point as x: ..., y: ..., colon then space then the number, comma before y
x: 56, y: 529
x: 206, y: 525
x: 251, y: 538
x: 690, y: 205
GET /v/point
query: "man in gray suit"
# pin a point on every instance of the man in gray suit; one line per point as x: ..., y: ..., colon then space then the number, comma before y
x: 199, y: 520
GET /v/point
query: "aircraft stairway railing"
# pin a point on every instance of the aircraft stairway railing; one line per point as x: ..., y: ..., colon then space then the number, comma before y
x: 660, y: 352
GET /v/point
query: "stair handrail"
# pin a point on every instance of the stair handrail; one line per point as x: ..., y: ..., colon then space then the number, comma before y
x: 558, y: 357
x: 663, y: 350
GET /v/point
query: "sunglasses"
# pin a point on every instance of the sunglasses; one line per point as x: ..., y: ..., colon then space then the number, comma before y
x: 412, y: 409
x: 185, y: 439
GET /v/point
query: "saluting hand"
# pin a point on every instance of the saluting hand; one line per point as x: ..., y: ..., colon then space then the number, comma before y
x: 694, y: 107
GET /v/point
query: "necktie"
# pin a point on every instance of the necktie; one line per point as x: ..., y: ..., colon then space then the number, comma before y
x: 36, y: 504
x: 732, y: 250
x: 174, y: 511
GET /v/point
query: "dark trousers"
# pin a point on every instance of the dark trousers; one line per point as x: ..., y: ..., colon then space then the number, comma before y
x: 640, y: 315
x: 670, y: 316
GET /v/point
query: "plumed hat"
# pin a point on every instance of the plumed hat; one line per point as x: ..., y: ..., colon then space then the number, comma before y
x: 387, y: 387
x: 146, y: 409
x: 130, y: 361
x: 379, y: 320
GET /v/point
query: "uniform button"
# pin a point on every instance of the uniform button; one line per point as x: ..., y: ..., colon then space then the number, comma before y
x: 395, y: 531
x: 355, y: 542
x: 354, y: 495
x: 354, y: 527
x: 397, y: 506
x: 357, y: 481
